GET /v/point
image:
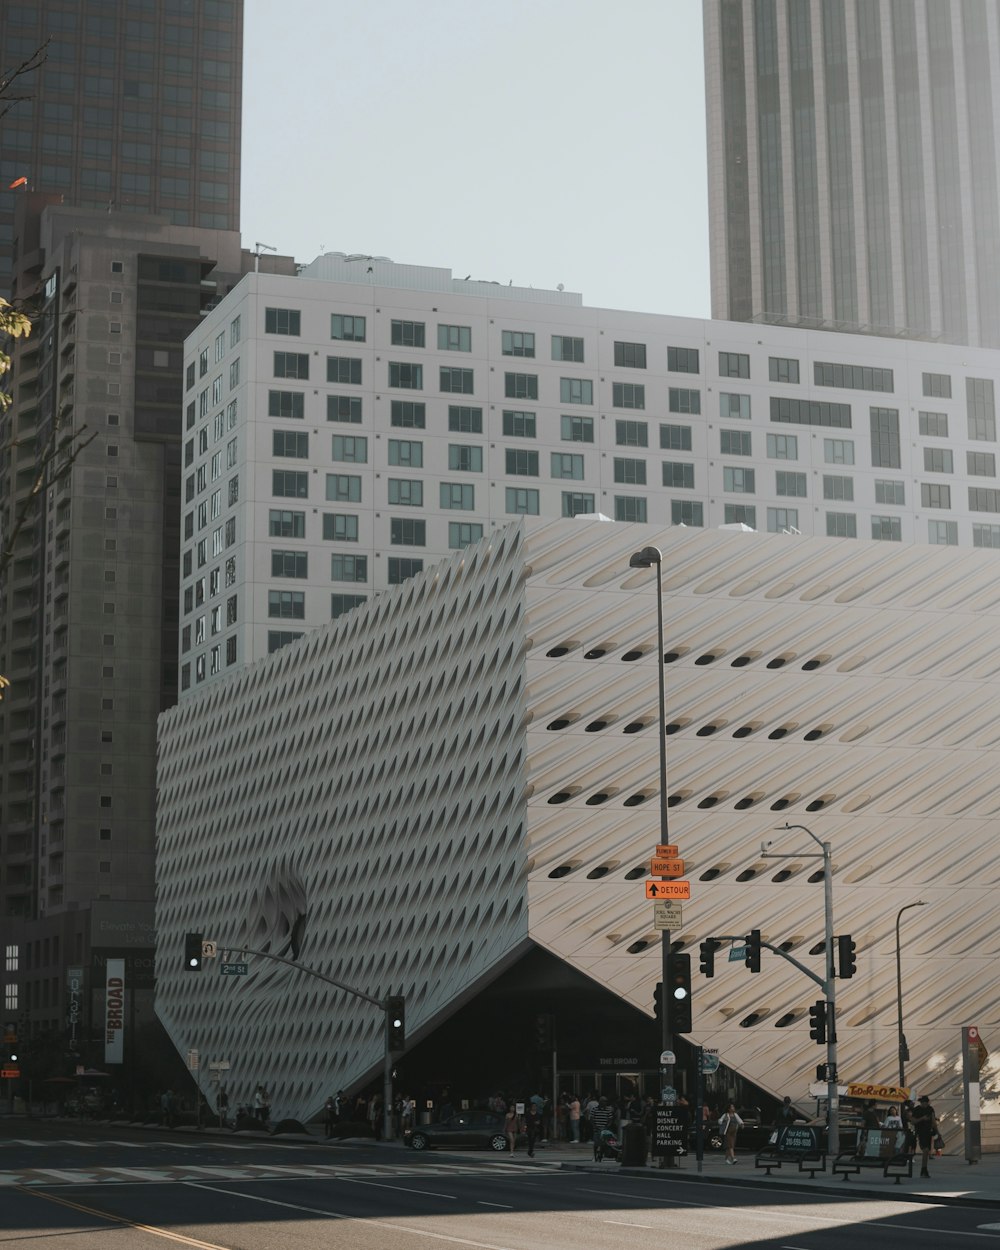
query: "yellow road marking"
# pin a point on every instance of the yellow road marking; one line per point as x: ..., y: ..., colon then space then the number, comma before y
x: 120, y: 1219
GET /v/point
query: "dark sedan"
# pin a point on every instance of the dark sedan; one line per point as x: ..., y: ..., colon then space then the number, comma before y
x: 478, y: 1130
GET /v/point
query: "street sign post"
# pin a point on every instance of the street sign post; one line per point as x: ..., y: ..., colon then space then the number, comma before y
x: 670, y: 1130
x: 667, y: 1057
x: 234, y: 970
x: 709, y: 1061
x: 667, y: 850
x: 668, y: 889
x: 668, y: 915
x: 192, y: 1061
x: 737, y: 954
x: 666, y: 867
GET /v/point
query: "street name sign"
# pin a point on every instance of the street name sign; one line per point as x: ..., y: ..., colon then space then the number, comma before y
x: 737, y: 954
x: 668, y: 889
x: 234, y: 970
x: 666, y: 850
x: 667, y: 915
x: 666, y: 867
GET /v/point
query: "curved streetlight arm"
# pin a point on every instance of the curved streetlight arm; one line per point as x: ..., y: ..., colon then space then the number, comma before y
x: 902, y: 1052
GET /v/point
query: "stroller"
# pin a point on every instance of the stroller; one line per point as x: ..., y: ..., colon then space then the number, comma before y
x: 606, y: 1143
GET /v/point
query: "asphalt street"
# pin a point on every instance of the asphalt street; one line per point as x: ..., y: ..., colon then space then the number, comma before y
x: 66, y: 1187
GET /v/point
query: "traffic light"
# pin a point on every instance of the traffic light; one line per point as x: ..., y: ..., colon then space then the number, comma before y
x: 658, y: 1000
x: 707, y: 964
x: 192, y: 952
x: 752, y: 941
x: 847, y: 947
x: 679, y: 991
x: 395, y: 1022
x: 545, y: 1032
x: 817, y: 1022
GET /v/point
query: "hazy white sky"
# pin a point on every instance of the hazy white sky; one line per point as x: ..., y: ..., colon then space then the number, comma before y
x: 539, y: 141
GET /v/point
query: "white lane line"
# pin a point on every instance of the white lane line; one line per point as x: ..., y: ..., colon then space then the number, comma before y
x: 629, y: 1224
x: 503, y: 1206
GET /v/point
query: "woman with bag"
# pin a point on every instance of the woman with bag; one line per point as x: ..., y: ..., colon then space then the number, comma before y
x: 729, y: 1125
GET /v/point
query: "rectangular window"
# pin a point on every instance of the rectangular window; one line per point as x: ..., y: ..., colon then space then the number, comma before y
x: 350, y: 329
x: 935, y: 495
x: 344, y: 408
x: 234, y: 331
x: 838, y: 451
x: 630, y: 508
x: 351, y: 448
x: 518, y: 424
x: 740, y: 514
x: 406, y: 377
x: 887, y: 529
x: 678, y: 475
x: 566, y: 348
x: 406, y: 492
x: 675, y: 437
x: 463, y: 420
x: 577, y: 429
x: 734, y: 442
x: 942, y: 533
x: 348, y: 568
x: 520, y: 385
x: 734, y: 365
x: 938, y: 460
x: 782, y: 369
x: 289, y: 443
x: 885, y: 438
x: 340, y: 527
x: 793, y: 484
x: 463, y: 534
x: 286, y: 483
x: 407, y: 415
x: 341, y: 369
x: 567, y: 465
x: 520, y: 462
x: 841, y: 525
x: 981, y: 409
x: 576, y: 391
x: 630, y: 355
x: 291, y: 365
x: 680, y: 399
x: 782, y: 520
x: 343, y: 487
x: 782, y: 447
x: 631, y: 434
x: 517, y: 343
x: 933, y: 424
x: 683, y: 360
x: 282, y: 321
x: 408, y: 454
x: 981, y: 463
x: 986, y: 536
x: 339, y: 604
x: 521, y: 501
x: 458, y: 495
x: 856, y: 377
x: 287, y: 604
x: 628, y: 395
x: 401, y: 568
x: 889, y: 491
x: 629, y: 472
x: 836, y: 486
x: 811, y: 412
x: 738, y: 481
x: 284, y: 524
x: 577, y: 503
x: 234, y: 374
x: 454, y: 338
x: 289, y: 564
x: 407, y: 334
x: 456, y: 381
x: 278, y: 638
x: 404, y: 532
x: 465, y: 459
x: 734, y: 407
x: 937, y: 385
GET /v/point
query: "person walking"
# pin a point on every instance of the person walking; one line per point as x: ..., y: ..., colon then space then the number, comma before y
x: 510, y: 1126
x: 925, y: 1127
x: 329, y: 1116
x: 574, y: 1120
x: 600, y: 1118
x: 729, y: 1125
x: 532, y: 1125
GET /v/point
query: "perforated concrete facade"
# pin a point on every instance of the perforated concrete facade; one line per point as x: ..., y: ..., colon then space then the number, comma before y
x: 469, y: 763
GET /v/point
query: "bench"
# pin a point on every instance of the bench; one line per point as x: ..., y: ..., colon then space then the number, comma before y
x: 883, y: 1148
x: 795, y: 1143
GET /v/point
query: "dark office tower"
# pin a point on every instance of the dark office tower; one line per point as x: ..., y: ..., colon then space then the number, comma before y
x: 136, y: 107
x: 854, y: 165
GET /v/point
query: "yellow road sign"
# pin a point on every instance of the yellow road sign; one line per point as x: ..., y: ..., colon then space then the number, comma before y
x: 668, y: 889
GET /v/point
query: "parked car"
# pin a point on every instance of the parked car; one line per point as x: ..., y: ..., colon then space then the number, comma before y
x: 479, y: 1130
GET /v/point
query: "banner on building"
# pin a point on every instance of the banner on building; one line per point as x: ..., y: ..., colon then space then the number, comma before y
x: 74, y: 1003
x: 114, y: 1012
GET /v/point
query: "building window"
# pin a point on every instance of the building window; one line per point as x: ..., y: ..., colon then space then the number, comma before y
x: 405, y: 376
x: 887, y: 529
x: 341, y: 369
x: 518, y: 424
x: 404, y: 532
x: 629, y: 472
x: 889, y: 491
x: 734, y: 365
x: 282, y: 321
x: 458, y: 495
x: 339, y: 604
x: 838, y: 451
x: 352, y: 449
x: 782, y: 447
x: 350, y: 329
x: 938, y: 460
x: 577, y: 503
x: 407, y: 492
x: 782, y: 369
x: 465, y: 459
x: 836, y: 486
x: 286, y: 483
x: 287, y: 604
x: 682, y: 400
x: 631, y: 434
x: 456, y: 381
x: 521, y: 462
x: 407, y: 334
x: 289, y: 564
x: 344, y: 408
x: 675, y: 437
x: 782, y: 520
x: 630, y: 508
x: 282, y: 523
x: 986, y: 536
x: 683, y: 360
x: 981, y: 409
x: 454, y: 338
x: 401, y: 568
x: 856, y: 377
x: 734, y: 442
x: 340, y: 527
x: 567, y: 465
x: 517, y: 343
x: 343, y: 487
x: 463, y: 534
x: 630, y: 355
x: 738, y: 481
x: 885, y: 438
x: 520, y: 385
x: 408, y: 415
x: 234, y: 331
x: 790, y: 484
x: 577, y: 429
x: 687, y: 512
x: 291, y: 365
x: 521, y: 501
x: 628, y: 395
x: 981, y: 463
x: 463, y: 420
x: 942, y: 533
x: 347, y: 568
x: 288, y: 443
x: 841, y: 525
x: 938, y: 385
x: 678, y: 475
x: 935, y: 495
x: 740, y: 514
x: 734, y: 407
x: 566, y: 348
x: 407, y: 454
x: 933, y: 424
x: 576, y: 391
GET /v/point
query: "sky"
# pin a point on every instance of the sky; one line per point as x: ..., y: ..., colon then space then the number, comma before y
x: 533, y: 141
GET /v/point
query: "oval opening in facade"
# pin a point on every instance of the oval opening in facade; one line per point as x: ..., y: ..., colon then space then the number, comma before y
x: 594, y: 653
x: 556, y: 652
x: 631, y: 656
x: 561, y: 723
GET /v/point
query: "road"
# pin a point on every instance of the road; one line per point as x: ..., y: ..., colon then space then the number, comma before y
x: 69, y: 1190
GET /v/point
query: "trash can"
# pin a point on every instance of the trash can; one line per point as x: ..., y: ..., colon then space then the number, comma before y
x: 633, y: 1146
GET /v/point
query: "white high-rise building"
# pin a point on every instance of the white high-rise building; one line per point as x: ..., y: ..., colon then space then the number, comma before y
x: 346, y: 428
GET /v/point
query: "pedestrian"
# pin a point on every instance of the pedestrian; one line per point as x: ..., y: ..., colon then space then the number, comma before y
x: 925, y: 1126
x: 869, y: 1117
x: 532, y: 1125
x: 407, y: 1108
x: 167, y: 1108
x: 600, y: 1118
x: 786, y: 1113
x: 339, y: 1105
x: 586, y: 1125
x: 892, y: 1120
x: 375, y: 1116
x: 906, y: 1115
x: 329, y: 1116
x: 574, y: 1120
x: 510, y: 1127
x: 222, y: 1105
x: 259, y: 1096
x: 729, y: 1125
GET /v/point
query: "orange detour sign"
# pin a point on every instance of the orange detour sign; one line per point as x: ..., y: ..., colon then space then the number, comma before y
x: 666, y: 868
x: 668, y: 889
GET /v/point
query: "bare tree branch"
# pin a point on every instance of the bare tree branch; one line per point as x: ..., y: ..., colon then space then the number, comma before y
x: 7, y: 80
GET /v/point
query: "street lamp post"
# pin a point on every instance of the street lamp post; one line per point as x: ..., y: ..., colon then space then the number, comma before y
x: 644, y: 559
x: 904, y: 1053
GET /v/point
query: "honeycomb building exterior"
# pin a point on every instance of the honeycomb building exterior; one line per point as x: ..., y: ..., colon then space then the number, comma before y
x: 464, y: 769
